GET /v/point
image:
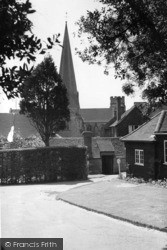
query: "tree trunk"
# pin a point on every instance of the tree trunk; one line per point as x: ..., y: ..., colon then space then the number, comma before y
x: 46, y: 141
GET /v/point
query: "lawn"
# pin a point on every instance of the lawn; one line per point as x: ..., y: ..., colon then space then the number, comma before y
x: 137, y: 203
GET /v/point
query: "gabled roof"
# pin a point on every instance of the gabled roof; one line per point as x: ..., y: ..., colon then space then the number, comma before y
x: 158, y: 109
x: 162, y: 123
x: 104, y: 144
x: 125, y: 114
x: 6, y: 121
x: 141, y: 106
x: 101, y: 145
x: 96, y: 115
x: 147, y: 131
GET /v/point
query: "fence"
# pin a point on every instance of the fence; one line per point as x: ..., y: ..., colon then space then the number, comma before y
x: 18, y: 166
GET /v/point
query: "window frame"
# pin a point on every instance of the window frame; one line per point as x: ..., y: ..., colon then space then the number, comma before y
x: 139, y: 154
x: 165, y: 151
x: 131, y: 128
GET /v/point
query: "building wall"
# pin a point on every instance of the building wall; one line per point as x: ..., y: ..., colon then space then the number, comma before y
x: 123, y: 165
x: 135, y: 117
x: 75, y: 126
x: 161, y: 168
x: 114, y: 104
x: 97, y: 128
x: 117, y: 105
x: 95, y: 166
x: 148, y: 170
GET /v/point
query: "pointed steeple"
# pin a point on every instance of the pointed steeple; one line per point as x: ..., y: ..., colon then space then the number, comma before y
x: 67, y: 72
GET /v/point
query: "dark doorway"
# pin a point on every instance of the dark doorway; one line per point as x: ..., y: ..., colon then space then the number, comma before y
x: 107, y: 164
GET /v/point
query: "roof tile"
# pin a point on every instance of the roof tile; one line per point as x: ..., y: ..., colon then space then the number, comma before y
x: 147, y: 131
x: 96, y: 115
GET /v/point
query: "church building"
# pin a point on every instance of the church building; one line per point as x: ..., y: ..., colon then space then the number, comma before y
x: 92, y: 120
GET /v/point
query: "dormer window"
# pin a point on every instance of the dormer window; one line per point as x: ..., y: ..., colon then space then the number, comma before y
x: 132, y: 127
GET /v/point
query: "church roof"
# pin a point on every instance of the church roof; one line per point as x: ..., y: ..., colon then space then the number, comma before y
x: 96, y: 115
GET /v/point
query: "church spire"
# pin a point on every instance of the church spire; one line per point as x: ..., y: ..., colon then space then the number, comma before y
x: 67, y: 72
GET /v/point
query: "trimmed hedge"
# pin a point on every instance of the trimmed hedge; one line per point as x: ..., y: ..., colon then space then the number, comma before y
x: 48, y: 164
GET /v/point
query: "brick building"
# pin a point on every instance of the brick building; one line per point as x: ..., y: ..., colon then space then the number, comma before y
x: 125, y: 122
x: 146, y: 148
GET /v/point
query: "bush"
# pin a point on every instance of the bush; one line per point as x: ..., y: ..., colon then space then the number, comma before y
x: 160, y: 183
x: 42, y: 165
x: 19, y: 142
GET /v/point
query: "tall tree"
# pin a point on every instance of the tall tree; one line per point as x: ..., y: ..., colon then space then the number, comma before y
x: 132, y: 34
x: 18, y: 42
x: 44, y: 100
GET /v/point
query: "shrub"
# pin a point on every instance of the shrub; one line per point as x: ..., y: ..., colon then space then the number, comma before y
x: 42, y: 164
x: 19, y: 142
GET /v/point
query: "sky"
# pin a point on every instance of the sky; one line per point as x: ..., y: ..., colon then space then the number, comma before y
x: 94, y: 87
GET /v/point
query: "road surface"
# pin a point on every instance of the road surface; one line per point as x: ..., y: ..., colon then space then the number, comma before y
x: 32, y: 211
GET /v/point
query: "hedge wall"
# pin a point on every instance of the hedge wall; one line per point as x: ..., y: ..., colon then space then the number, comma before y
x: 38, y: 165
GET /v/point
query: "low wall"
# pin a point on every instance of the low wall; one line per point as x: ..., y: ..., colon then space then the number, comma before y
x: 95, y: 166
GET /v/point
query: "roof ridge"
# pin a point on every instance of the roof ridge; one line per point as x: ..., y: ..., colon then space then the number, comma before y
x: 140, y: 126
x: 134, y: 131
x: 125, y: 114
x: 160, y: 121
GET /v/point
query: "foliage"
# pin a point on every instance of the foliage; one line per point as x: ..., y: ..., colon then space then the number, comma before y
x: 44, y: 100
x: 33, y: 142
x: 160, y: 182
x: 3, y: 141
x: 18, y: 42
x: 132, y: 34
x: 43, y: 165
x: 20, y: 142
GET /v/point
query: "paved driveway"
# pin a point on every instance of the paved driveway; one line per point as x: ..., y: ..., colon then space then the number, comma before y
x: 32, y: 211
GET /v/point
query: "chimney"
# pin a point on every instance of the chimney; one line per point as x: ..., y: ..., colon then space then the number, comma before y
x: 118, y: 108
x: 87, y: 135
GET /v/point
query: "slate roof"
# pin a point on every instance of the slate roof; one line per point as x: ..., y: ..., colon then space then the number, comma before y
x: 6, y: 121
x: 158, y: 109
x: 96, y: 115
x: 147, y: 131
x: 162, y: 123
x: 105, y: 144
x: 122, y: 117
x: 21, y: 125
x: 137, y: 105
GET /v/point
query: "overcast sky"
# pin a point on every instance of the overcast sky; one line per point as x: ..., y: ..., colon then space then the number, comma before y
x: 95, y: 88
